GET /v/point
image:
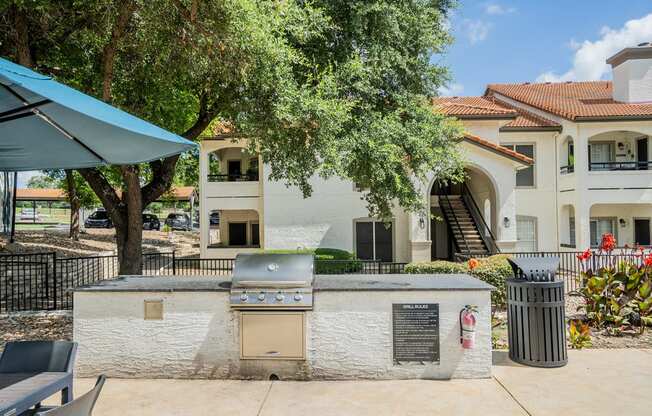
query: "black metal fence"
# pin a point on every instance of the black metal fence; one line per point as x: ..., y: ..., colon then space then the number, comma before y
x: 42, y: 281
x: 27, y: 282
x: 357, y: 267
x: 570, y: 267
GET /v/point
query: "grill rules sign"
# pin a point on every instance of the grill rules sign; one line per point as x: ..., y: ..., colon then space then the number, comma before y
x: 415, y: 332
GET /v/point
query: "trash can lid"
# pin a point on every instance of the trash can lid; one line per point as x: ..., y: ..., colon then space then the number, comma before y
x: 535, y: 268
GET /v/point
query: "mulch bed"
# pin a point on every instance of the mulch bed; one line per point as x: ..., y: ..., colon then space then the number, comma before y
x: 600, y: 338
x: 23, y: 326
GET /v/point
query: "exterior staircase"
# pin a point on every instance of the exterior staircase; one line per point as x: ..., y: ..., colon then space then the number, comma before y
x: 464, y: 227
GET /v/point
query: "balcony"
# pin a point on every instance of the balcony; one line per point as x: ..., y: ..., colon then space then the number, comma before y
x: 567, y: 169
x: 234, y: 177
x: 620, y: 166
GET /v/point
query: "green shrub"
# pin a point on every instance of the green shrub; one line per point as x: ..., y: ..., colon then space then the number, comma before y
x: 328, y: 260
x: 439, y: 266
x: 319, y: 253
x: 618, y: 294
x: 493, y: 270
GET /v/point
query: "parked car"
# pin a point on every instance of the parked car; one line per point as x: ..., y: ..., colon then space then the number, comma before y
x: 28, y: 214
x: 178, y: 222
x: 215, y: 218
x: 98, y: 219
x: 151, y: 222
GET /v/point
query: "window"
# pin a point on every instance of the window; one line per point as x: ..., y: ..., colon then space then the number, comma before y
x: 526, y: 234
x: 373, y: 241
x: 599, y: 227
x: 524, y: 177
x: 571, y: 225
x: 601, y: 154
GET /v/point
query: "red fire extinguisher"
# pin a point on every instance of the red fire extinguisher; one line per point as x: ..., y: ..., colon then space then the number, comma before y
x: 468, y: 320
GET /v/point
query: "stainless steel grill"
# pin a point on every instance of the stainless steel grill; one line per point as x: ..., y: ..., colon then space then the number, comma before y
x: 278, y: 281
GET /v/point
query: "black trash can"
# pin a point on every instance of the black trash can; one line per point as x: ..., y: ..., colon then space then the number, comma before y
x: 536, y: 321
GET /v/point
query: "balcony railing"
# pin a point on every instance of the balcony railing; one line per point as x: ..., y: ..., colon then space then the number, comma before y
x: 234, y: 177
x: 611, y: 166
x: 567, y: 169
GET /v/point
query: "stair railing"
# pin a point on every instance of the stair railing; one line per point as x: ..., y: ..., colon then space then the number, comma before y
x: 489, y: 240
x: 457, y: 223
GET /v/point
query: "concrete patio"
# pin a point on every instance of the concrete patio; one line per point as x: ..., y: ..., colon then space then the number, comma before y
x: 595, y: 382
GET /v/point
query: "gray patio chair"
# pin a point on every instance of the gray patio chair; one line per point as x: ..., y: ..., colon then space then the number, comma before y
x: 38, y: 356
x: 81, y: 406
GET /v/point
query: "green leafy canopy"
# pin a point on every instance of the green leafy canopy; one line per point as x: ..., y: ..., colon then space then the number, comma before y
x: 327, y: 88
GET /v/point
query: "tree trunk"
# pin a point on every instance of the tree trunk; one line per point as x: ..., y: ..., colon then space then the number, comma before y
x: 73, y: 198
x: 126, y: 9
x: 21, y: 37
x: 130, y: 254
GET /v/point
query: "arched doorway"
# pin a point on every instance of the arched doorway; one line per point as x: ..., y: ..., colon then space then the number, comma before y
x: 463, y: 215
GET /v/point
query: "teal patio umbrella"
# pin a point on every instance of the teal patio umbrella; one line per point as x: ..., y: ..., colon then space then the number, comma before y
x: 47, y: 125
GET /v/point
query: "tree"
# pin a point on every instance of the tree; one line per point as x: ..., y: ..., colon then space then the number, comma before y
x: 325, y: 88
x: 41, y: 182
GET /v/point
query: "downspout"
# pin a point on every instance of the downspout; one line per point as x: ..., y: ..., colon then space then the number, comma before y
x: 556, y: 137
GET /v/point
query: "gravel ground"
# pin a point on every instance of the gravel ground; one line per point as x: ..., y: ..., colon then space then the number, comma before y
x: 95, y: 241
x: 21, y: 326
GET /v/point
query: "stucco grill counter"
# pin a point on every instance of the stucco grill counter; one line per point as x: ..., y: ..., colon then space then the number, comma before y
x: 359, y: 326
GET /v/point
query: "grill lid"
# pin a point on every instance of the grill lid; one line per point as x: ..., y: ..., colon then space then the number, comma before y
x: 273, y: 270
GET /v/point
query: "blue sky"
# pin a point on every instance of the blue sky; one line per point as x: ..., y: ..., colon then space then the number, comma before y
x: 542, y: 40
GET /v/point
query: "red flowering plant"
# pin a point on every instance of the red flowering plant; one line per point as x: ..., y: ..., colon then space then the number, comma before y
x: 617, y: 288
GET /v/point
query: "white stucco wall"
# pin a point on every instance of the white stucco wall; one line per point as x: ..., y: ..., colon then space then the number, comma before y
x: 349, y: 336
x: 540, y: 200
x: 325, y: 219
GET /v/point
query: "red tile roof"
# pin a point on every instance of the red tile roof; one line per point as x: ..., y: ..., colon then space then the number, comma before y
x: 473, y: 107
x: 589, y: 100
x: 179, y: 193
x: 479, y: 141
x: 40, y: 194
x: 489, y: 107
x: 530, y: 121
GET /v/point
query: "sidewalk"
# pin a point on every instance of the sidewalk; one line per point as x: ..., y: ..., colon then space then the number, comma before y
x: 596, y: 382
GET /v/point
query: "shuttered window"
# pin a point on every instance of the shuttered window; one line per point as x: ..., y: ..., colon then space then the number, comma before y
x: 601, y: 153
x: 599, y: 227
x: 526, y: 234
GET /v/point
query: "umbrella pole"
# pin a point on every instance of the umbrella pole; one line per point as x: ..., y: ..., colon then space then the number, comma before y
x: 13, y: 209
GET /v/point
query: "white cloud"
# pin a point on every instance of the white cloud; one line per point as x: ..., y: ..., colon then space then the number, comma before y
x: 450, y: 90
x: 475, y: 30
x: 497, y: 9
x: 589, y: 62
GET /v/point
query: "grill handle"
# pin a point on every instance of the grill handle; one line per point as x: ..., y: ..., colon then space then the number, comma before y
x: 272, y: 283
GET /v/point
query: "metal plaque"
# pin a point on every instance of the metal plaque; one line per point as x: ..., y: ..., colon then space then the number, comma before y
x: 415, y: 332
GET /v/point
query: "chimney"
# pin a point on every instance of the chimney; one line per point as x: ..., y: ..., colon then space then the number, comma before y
x: 632, y: 74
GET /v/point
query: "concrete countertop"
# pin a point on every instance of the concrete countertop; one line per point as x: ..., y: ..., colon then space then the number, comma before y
x: 348, y: 282
x: 160, y: 284
x: 352, y: 282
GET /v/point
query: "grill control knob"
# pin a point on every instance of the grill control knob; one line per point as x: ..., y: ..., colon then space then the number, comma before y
x: 244, y: 297
x: 298, y: 297
x: 280, y: 297
x: 261, y: 296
